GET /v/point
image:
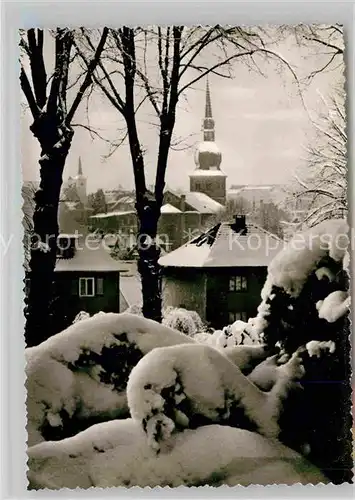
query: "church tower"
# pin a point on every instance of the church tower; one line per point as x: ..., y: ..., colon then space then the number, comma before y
x: 80, y: 183
x: 208, y: 178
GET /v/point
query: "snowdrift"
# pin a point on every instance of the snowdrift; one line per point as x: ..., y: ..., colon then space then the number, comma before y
x: 116, y: 453
x: 79, y: 376
x: 190, y: 385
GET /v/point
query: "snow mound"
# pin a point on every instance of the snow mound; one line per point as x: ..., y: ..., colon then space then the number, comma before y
x: 190, y: 385
x: 81, y: 373
x: 315, y: 348
x: 334, y: 306
x: 80, y: 316
x: 114, y: 454
x: 239, y: 333
x: 246, y: 357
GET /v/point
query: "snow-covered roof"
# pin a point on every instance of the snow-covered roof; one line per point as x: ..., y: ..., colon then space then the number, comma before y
x: 90, y: 257
x: 169, y: 209
x: 126, y: 199
x: 222, y: 246
x: 199, y: 172
x: 208, y: 147
x: 117, y: 213
x: 203, y: 203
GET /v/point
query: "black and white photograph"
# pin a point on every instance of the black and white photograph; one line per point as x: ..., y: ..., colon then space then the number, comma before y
x: 186, y: 254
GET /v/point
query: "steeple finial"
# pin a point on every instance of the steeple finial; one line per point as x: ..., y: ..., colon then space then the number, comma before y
x: 80, y: 168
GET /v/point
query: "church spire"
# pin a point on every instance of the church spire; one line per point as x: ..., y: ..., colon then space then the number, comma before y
x: 80, y: 168
x: 208, y: 108
x: 208, y: 122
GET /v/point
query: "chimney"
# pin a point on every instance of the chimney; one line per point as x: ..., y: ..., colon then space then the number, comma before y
x: 182, y: 218
x: 182, y: 202
x: 239, y: 225
x: 66, y: 246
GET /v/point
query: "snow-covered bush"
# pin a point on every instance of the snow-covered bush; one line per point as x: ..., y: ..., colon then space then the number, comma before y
x: 79, y: 376
x: 135, y: 309
x: 114, y: 454
x: 80, y: 316
x: 305, y: 298
x: 239, y: 333
x: 189, y: 385
x: 305, y: 272
x: 183, y: 320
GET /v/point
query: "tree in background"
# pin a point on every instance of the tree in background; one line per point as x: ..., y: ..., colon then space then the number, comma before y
x: 269, y: 216
x: 319, y: 191
x: 47, y: 96
x: 325, y: 40
x: 160, y: 65
x: 97, y: 202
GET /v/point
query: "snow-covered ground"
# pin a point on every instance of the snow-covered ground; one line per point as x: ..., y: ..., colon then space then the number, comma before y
x: 116, y: 453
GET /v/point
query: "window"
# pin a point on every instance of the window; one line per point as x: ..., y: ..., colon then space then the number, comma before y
x: 99, y: 286
x: 86, y: 287
x: 237, y: 316
x: 238, y: 284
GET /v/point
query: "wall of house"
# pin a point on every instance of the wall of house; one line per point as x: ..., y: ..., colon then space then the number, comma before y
x: 68, y: 303
x: 185, y: 288
x: 220, y: 302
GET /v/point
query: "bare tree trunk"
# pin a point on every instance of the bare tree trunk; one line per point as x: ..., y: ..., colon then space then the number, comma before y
x: 149, y: 252
x: 55, y: 142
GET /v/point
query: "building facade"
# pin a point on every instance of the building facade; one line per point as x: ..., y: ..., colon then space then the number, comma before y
x: 86, y: 279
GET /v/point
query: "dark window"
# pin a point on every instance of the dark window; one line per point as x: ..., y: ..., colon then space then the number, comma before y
x: 238, y: 284
x: 99, y: 286
x: 237, y: 316
x: 86, y: 287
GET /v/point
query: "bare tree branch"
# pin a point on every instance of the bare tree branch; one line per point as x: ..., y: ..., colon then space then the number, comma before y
x: 88, y: 78
x: 27, y: 90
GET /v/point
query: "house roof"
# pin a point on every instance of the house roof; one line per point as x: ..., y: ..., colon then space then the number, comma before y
x: 91, y: 256
x: 199, y: 172
x: 222, y: 246
x: 117, y: 213
x: 169, y: 209
x: 203, y: 203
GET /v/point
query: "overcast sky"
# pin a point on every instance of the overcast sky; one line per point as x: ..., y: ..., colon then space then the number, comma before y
x: 261, y: 129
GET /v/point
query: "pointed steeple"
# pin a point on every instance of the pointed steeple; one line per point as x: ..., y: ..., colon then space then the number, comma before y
x: 208, y: 122
x: 80, y: 168
x: 208, y: 108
